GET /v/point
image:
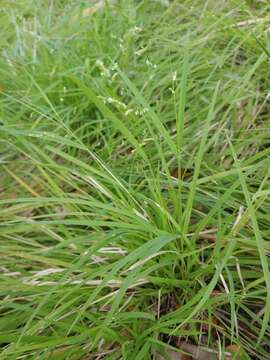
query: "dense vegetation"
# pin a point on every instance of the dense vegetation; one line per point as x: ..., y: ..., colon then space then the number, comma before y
x: 134, y: 191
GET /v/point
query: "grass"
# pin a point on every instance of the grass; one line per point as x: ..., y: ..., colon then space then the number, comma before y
x: 134, y: 186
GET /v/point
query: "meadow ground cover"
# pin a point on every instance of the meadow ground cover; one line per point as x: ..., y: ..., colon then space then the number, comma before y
x: 134, y: 191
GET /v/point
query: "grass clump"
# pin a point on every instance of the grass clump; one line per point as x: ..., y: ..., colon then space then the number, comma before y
x: 134, y: 179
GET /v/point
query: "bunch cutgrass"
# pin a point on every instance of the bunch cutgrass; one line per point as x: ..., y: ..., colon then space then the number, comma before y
x: 134, y: 179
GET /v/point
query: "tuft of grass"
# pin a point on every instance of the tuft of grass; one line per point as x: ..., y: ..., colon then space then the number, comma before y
x: 134, y: 190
